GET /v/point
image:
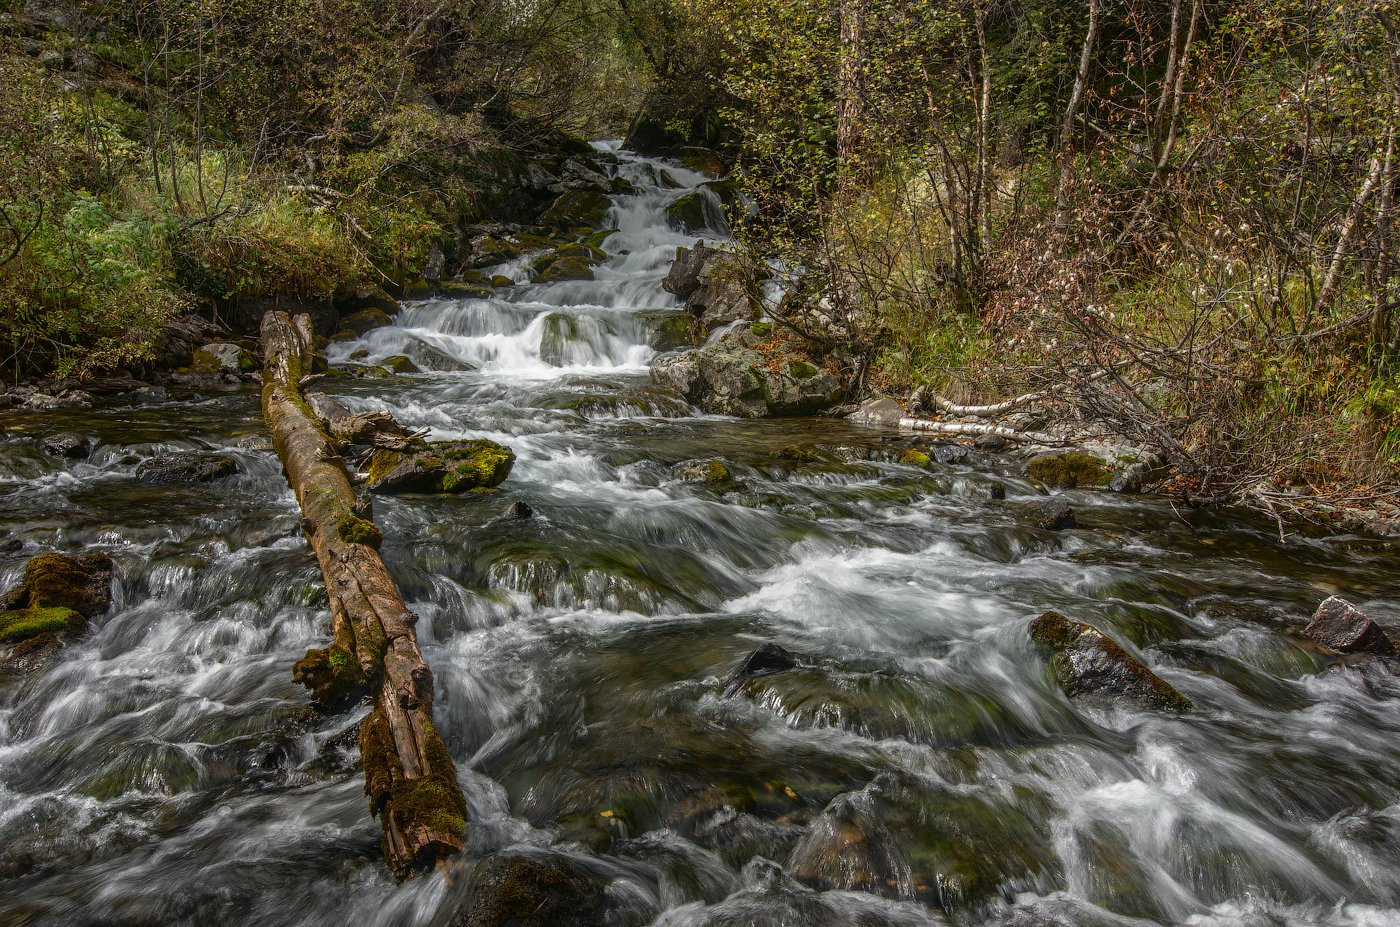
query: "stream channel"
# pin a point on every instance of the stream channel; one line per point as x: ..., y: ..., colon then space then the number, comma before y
x: 920, y: 767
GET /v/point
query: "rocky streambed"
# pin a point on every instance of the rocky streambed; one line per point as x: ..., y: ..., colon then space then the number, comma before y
x: 692, y: 668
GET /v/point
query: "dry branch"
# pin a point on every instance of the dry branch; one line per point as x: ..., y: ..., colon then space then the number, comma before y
x: 409, y: 774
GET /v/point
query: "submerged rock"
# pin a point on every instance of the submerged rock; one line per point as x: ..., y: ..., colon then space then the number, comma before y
x: 1048, y: 514
x: 768, y: 658
x: 1088, y: 662
x: 515, y: 890
x: 440, y: 467
x: 67, y: 445
x: 187, y: 467
x: 520, y: 509
x: 703, y: 471
x: 1343, y: 627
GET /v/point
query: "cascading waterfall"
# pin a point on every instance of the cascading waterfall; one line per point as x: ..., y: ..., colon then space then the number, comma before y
x: 918, y: 765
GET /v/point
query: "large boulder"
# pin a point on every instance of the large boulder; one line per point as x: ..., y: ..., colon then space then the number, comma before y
x: 56, y: 595
x: 728, y: 378
x: 221, y: 357
x: 187, y: 467
x: 671, y: 328
x: 1087, y: 662
x: 67, y: 445
x: 717, y: 286
x: 516, y: 890
x: 1345, y: 628
x: 439, y: 467
x: 1069, y: 470
x: 578, y: 209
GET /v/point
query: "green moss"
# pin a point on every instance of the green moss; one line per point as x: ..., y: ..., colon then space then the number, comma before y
x: 802, y: 370
x: 1055, y: 630
x: 56, y: 580
x: 24, y: 623
x: 401, y: 363
x: 1070, y: 470
x: 762, y: 329
x: 356, y: 530
x: 914, y: 458
x: 332, y: 674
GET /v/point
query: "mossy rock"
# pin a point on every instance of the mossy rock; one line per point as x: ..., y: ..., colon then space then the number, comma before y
x: 333, y: 675
x: 515, y: 890
x: 80, y: 584
x: 687, y: 213
x: 914, y: 458
x: 502, y: 281
x: 25, y: 623
x: 578, y: 208
x: 456, y: 289
x: 187, y: 467
x: 712, y: 472
x: 401, y: 363
x: 1088, y: 662
x: 366, y: 320
x: 671, y: 329
x: 564, y: 270
x: 1069, y: 470
x: 441, y: 467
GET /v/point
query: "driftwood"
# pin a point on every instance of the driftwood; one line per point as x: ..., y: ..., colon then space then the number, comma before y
x: 973, y: 428
x: 409, y: 775
x: 345, y: 427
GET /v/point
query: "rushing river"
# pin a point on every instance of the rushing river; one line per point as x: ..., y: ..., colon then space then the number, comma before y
x: 921, y: 767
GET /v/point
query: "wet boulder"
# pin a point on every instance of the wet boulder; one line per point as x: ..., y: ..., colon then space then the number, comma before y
x: 221, y: 357
x: 67, y: 445
x: 717, y: 286
x: 187, y: 467
x: 713, y: 472
x: 1069, y: 470
x: 694, y: 212
x: 516, y: 890
x: 884, y: 412
x: 352, y: 300
x: 727, y: 378
x: 671, y: 329
x: 1048, y: 514
x: 1347, y: 629
x: 366, y: 320
x: 439, y: 467
x: 578, y: 209
x: 1088, y: 662
x: 56, y: 595
x: 768, y: 658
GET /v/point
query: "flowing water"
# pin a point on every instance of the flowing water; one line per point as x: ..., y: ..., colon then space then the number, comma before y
x: 921, y: 767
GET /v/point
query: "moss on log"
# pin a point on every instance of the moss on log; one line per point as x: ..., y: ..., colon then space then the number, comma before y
x: 409, y: 775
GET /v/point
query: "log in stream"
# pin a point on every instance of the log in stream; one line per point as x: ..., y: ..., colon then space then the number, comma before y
x: 410, y: 778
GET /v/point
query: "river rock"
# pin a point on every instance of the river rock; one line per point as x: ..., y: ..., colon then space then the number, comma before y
x: 1069, y: 470
x: 671, y: 329
x: 350, y: 300
x: 690, y: 213
x: 67, y: 445
x: 714, y: 284
x: 220, y: 357
x: 516, y: 890
x: 768, y: 658
x: 578, y: 209
x: 366, y: 320
x: 949, y: 454
x: 1345, y: 628
x: 1049, y: 514
x: 1088, y: 662
x: 187, y: 467
x: 885, y: 412
x: 520, y: 509
x: 726, y: 378
x: 56, y: 596
x: 439, y: 467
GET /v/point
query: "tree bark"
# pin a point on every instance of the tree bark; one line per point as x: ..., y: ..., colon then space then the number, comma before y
x: 853, y: 157
x: 409, y: 775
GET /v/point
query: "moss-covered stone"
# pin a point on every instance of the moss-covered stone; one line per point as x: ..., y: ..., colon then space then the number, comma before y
x: 366, y: 320
x: 705, y: 471
x: 522, y: 891
x: 25, y: 623
x: 687, y: 213
x: 332, y: 674
x: 1069, y: 470
x: 355, y: 530
x: 914, y: 458
x: 401, y: 363
x: 565, y: 269
x: 577, y: 208
x: 1088, y: 662
x: 442, y: 467
x: 81, y: 584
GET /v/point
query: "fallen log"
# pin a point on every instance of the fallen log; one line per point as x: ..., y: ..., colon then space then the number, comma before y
x: 410, y: 778
x: 973, y: 428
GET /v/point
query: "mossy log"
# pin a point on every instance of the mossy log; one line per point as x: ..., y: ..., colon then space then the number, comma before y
x: 409, y: 775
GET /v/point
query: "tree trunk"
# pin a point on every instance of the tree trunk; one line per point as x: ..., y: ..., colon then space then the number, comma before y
x: 1066, y: 132
x: 409, y: 775
x: 853, y: 157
